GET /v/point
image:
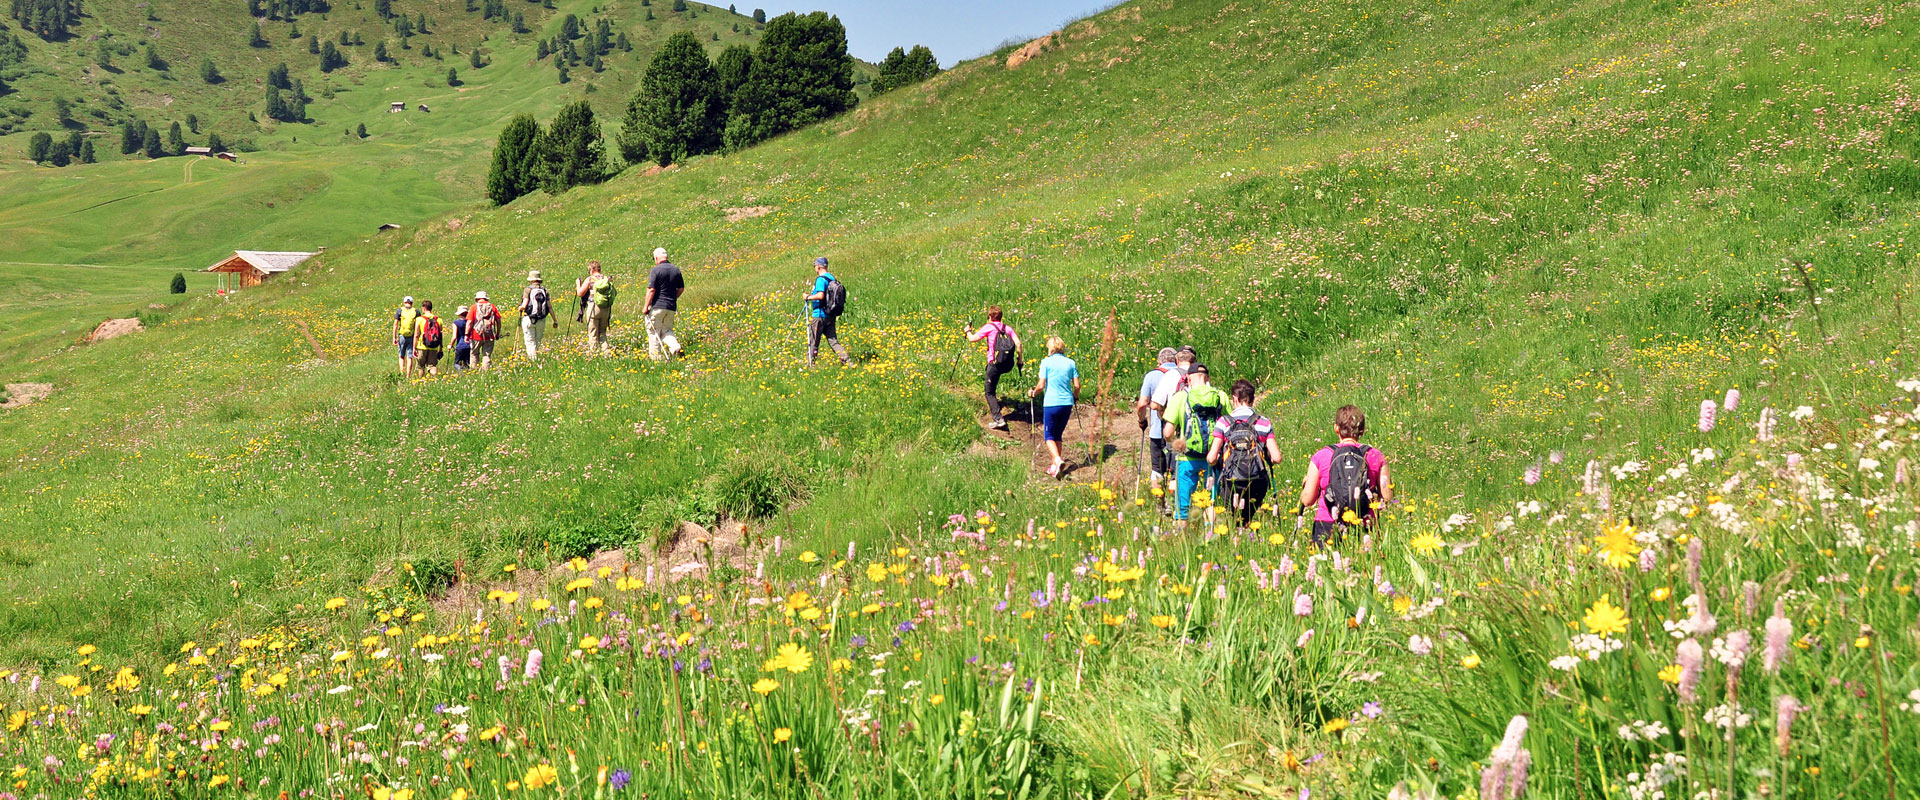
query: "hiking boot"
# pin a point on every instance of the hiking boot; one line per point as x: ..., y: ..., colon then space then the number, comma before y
x: 998, y: 424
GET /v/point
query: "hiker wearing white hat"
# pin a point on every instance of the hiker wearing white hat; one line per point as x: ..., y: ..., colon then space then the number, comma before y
x: 535, y: 307
x: 483, y: 329
x: 403, y: 333
x: 596, y: 292
x: 664, y: 286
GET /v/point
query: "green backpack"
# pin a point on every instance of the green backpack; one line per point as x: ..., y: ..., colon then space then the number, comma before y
x: 1202, y: 412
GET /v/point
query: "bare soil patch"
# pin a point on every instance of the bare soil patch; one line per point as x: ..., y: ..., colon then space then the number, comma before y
x: 115, y: 328
x: 21, y: 395
x: 1031, y: 50
x: 737, y: 214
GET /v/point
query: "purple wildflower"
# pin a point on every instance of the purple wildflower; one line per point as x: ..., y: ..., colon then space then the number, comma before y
x: 1690, y: 657
x: 1779, y: 638
x: 620, y: 779
x: 1371, y: 709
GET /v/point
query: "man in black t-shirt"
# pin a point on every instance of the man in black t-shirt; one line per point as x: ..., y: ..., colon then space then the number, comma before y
x: 664, y: 285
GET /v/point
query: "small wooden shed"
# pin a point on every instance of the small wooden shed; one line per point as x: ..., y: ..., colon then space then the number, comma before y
x: 397, y: 106
x: 226, y: 156
x: 250, y: 267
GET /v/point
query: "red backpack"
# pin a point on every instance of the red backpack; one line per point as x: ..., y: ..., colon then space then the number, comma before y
x: 486, y: 321
x: 430, y: 334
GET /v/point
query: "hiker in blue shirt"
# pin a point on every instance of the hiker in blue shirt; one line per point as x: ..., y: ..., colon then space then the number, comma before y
x: 823, y: 321
x: 1060, y: 381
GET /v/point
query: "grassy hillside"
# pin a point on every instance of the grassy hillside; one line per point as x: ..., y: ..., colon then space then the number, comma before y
x: 1530, y: 240
x: 304, y: 185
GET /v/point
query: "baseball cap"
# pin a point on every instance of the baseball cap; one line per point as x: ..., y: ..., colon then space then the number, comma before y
x: 820, y: 262
x: 407, y: 299
x: 1198, y: 369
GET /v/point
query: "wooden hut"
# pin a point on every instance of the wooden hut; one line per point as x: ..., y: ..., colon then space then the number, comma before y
x: 250, y: 267
x: 199, y: 151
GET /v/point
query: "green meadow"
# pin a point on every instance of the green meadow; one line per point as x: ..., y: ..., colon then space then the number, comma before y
x: 1529, y: 240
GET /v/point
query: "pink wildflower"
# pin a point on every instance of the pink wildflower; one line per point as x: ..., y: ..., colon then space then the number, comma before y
x: 1304, y: 638
x: 1690, y: 657
x: 1731, y: 402
x: 534, y: 657
x: 1707, y: 412
x: 506, y: 668
x: 1779, y: 638
x: 1302, y: 604
x: 1785, y: 708
x: 1764, y: 428
x: 1533, y: 474
x: 1505, y: 777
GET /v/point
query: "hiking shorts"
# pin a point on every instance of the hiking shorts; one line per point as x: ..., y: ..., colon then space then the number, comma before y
x: 1054, y: 419
x: 429, y: 358
x: 406, y: 347
x: 1160, y: 454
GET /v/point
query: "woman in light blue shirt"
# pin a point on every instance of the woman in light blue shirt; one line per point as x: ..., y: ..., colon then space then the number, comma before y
x: 1060, y: 381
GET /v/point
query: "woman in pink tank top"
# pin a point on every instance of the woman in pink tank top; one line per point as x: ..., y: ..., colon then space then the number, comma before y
x: 1349, y: 425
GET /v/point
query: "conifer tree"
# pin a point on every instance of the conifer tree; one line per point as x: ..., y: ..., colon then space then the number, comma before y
x: 39, y: 147
x: 86, y: 152
x: 254, y: 39
x: 571, y: 153
x: 60, y: 153
x: 152, y: 144
x: 154, y: 61
x: 176, y: 143
x: 515, y: 161
x: 801, y: 74
x: 678, y: 110
x: 179, y: 283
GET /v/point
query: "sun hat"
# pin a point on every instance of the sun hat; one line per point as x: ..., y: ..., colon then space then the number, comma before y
x: 479, y: 295
x: 533, y: 276
x: 460, y: 310
x: 659, y: 252
x: 407, y: 299
x: 820, y: 262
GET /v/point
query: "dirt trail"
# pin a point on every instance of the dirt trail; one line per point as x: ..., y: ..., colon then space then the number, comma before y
x: 1114, y: 457
x: 311, y: 342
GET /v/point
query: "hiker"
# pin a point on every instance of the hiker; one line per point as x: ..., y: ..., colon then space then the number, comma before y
x: 824, y: 306
x: 597, y: 291
x: 483, y: 329
x: 536, y: 305
x: 1183, y: 361
x: 462, y: 348
x: 1160, y: 458
x: 429, y: 339
x: 403, y: 334
x: 1003, y: 355
x: 1244, y: 452
x: 1060, y: 383
x: 1187, y: 424
x: 664, y: 286
x: 1346, y: 481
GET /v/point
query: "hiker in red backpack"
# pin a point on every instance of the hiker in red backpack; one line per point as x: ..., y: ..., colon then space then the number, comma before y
x: 483, y: 328
x: 1003, y: 355
x: 1346, y: 482
x: 1244, y: 451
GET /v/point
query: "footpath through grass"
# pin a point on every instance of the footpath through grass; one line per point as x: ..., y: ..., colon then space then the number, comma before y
x: 1529, y: 241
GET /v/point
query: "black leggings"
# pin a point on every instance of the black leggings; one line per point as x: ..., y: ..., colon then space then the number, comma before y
x: 995, y: 369
x: 1246, y: 496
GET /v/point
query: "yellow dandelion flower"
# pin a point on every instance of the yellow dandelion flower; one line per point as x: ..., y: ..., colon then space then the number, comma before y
x: 1605, y: 619
x: 1426, y: 544
x: 782, y: 734
x: 765, y: 686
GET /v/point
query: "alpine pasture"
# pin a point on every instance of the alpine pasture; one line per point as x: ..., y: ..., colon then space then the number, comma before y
x: 1622, y: 289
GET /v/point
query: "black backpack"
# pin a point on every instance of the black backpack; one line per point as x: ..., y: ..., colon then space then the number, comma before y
x: 835, y: 302
x: 1003, y: 344
x: 542, y: 304
x: 1349, y: 486
x: 1242, y: 458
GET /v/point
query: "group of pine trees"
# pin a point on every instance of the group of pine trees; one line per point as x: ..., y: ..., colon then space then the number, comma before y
x: 50, y: 19
x: 563, y: 155
x: 286, y: 97
x: 74, y: 148
x: 798, y: 74
x: 905, y: 68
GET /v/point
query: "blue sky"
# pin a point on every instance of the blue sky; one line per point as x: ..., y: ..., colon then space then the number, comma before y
x: 954, y: 30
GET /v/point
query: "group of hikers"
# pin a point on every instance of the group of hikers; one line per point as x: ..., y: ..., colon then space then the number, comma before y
x: 423, y: 337
x: 1198, y: 437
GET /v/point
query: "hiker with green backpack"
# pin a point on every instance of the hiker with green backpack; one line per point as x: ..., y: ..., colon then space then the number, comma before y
x: 1189, y: 419
x: 1244, y: 452
x: 597, y: 292
x: 825, y: 304
x: 1346, y: 482
x: 1003, y: 355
